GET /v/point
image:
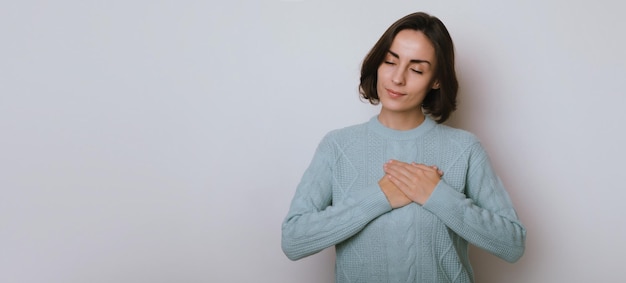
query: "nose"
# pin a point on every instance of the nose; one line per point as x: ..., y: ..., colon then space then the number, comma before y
x: 398, y: 77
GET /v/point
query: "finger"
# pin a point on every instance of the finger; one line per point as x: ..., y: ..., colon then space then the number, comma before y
x: 408, y: 169
x: 430, y: 169
x: 438, y: 170
x: 426, y: 168
x: 398, y: 163
x: 399, y: 169
x: 401, y: 185
x: 400, y: 175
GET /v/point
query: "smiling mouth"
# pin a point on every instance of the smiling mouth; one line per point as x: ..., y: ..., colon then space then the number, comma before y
x: 394, y: 94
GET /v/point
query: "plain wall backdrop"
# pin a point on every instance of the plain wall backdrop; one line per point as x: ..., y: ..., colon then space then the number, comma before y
x: 162, y: 141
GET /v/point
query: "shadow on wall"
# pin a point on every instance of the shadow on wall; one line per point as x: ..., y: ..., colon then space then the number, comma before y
x: 471, y: 114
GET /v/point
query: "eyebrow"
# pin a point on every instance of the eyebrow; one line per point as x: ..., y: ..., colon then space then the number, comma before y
x: 418, y: 61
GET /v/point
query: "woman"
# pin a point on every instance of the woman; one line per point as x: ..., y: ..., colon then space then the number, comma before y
x: 401, y: 196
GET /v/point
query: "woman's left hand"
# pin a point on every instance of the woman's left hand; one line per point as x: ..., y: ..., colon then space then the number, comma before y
x: 416, y: 181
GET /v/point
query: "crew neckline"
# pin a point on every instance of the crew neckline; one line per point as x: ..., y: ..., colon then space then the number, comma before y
x: 416, y: 132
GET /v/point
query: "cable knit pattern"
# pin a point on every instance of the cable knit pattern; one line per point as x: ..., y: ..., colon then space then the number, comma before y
x: 339, y: 203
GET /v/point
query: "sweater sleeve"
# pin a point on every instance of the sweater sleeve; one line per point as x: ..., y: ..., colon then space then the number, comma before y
x: 484, y: 215
x: 315, y: 221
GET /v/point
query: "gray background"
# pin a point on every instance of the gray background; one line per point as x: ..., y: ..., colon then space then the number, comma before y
x: 162, y: 141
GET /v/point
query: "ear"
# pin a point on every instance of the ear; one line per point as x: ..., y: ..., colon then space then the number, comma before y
x: 436, y: 85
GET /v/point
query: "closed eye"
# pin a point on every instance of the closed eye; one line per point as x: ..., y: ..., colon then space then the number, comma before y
x: 417, y: 71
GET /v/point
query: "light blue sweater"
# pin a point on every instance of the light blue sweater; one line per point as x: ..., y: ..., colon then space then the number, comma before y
x: 339, y: 203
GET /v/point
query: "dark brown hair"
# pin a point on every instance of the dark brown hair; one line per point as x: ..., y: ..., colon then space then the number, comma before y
x: 439, y: 103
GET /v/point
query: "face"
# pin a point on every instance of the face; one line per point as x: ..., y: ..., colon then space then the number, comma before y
x: 406, y: 74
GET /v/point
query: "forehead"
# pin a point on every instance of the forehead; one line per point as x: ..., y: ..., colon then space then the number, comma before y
x: 412, y: 44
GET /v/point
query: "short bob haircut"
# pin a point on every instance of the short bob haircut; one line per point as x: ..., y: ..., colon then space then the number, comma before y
x: 438, y: 103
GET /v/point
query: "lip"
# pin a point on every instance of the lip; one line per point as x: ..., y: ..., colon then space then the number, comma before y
x: 394, y: 94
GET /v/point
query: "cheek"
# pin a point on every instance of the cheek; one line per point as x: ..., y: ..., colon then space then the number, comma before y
x: 382, y: 75
x: 417, y: 90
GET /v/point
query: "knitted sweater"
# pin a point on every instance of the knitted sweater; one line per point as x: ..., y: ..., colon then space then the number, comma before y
x: 339, y: 203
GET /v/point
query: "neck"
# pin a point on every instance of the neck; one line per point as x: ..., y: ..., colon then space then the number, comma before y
x: 401, y: 121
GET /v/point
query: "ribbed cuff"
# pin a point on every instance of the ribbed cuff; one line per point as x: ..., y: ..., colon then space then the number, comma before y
x: 443, y: 199
x: 375, y: 203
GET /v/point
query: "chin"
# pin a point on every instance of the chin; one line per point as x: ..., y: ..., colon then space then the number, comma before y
x: 396, y: 106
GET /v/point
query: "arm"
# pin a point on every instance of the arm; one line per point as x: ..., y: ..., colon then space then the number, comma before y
x: 484, y: 216
x: 315, y: 221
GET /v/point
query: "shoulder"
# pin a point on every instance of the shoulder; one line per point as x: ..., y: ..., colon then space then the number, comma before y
x: 339, y: 140
x: 455, y: 135
x: 463, y: 142
x: 460, y: 141
x: 346, y: 134
x: 336, y: 142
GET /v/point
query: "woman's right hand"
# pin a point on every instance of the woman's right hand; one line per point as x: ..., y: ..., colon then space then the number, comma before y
x: 394, y: 195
